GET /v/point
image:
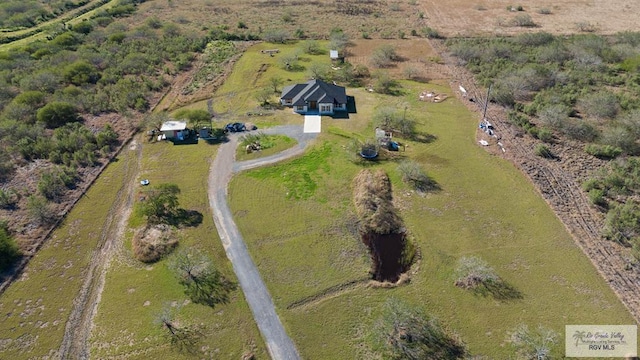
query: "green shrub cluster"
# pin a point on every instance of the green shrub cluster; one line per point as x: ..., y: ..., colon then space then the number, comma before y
x: 585, y: 87
x: 9, y: 251
x: 616, y: 190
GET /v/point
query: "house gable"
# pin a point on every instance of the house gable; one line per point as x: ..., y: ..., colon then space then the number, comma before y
x: 300, y: 95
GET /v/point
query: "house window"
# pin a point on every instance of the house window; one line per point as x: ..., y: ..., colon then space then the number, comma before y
x: 325, y: 108
x: 287, y: 101
x: 299, y: 108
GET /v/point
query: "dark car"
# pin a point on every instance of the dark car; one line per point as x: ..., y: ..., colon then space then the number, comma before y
x: 235, y: 127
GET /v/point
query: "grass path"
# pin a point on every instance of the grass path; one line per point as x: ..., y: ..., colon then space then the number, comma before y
x: 78, y: 329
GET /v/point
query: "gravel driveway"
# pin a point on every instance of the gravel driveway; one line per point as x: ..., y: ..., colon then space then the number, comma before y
x: 278, y: 342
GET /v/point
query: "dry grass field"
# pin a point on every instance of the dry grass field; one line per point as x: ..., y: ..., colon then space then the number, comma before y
x: 482, y: 17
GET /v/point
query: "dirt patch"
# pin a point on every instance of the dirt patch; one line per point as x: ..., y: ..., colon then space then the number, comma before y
x: 414, y: 53
x: 151, y: 243
x: 386, y: 254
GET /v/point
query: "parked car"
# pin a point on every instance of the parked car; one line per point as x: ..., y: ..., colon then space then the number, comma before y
x: 235, y: 127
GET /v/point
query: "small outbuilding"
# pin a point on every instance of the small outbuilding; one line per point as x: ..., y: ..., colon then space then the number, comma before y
x: 175, y: 130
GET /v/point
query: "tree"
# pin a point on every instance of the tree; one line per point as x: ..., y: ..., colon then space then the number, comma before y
x: 311, y: 47
x: 160, y: 203
x: 275, y: 82
x: 404, y: 332
x: 81, y: 72
x: 56, y: 114
x: 194, y: 116
x: 9, y: 251
x: 319, y: 71
x: 263, y: 96
x: 182, y: 337
x: 385, y: 117
x: 383, y: 56
x: 338, y: 40
x: 532, y: 345
x: 202, y: 282
x: 384, y: 84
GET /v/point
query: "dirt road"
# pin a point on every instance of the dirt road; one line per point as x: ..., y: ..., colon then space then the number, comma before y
x: 278, y: 342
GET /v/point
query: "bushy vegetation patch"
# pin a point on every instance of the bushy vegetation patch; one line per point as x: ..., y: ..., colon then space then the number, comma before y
x: 406, y: 332
x: 615, y: 190
x: 9, y: 251
x: 583, y: 86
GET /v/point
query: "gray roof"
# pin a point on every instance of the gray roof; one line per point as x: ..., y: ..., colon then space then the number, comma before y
x: 314, y: 90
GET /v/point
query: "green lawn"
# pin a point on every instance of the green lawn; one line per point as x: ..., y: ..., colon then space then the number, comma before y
x: 271, y: 144
x: 297, y: 220
x: 143, y: 290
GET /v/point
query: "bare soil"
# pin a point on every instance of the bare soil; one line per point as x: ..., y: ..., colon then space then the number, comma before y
x: 386, y: 255
x: 413, y: 52
x: 482, y: 17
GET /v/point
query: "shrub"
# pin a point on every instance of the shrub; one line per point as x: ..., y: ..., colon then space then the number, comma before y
x: 621, y: 138
x: 383, y: 56
x: 53, y: 184
x: 311, y: 47
x: 545, y: 135
x: 523, y: 20
x: 581, y: 130
x: 543, y: 151
x: 8, y: 199
x: 81, y: 72
x: 603, y: 151
x: 599, y: 105
x: 415, y: 176
x: 596, y: 196
x: 56, y: 114
x: 430, y: 33
x: 39, y: 210
x: 544, y: 11
x: 9, y: 251
x: 279, y: 36
x: 622, y: 222
x: 554, y: 116
x: 473, y: 272
x: 404, y: 332
x: 533, y: 344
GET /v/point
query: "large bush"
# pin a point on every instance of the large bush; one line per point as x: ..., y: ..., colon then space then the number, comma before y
x: 56, y: 114
x: 9, y: 251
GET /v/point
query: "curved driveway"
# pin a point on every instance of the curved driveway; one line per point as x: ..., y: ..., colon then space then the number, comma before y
x: 278, y: 342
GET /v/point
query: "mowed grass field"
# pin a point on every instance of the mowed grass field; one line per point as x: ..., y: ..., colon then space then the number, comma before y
x: 135, y: 293
x: 298, y: 221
